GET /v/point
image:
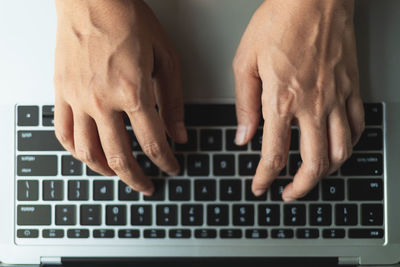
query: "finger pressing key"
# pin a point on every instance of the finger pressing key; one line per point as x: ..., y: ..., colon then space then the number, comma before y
x: 115, y: 141
x: 314, y: 153
x: 274, y: 152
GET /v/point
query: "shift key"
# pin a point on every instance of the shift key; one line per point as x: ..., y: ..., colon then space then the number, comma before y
x: 34, y: 215
x: 37, y: 165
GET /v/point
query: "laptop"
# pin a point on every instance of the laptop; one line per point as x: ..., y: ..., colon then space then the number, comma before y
x: 56, y: 211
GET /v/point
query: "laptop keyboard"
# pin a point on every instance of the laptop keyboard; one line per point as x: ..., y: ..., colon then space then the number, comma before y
x: 58, y: 197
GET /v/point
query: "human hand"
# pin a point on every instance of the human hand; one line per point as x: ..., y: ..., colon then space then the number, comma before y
x: 112, y: 57
x: 297, y: 63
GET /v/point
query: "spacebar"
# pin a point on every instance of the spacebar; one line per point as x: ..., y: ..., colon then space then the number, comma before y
x: 38, y: 141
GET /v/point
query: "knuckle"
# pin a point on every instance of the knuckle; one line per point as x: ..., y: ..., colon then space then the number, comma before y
x: 118, y: 163
x: 341, y: 154
x: 317, y: 168
x: 85, y: 156
x: 155, y: 150
x: 239, y: 66
x: 274, y: 162
x: 63, y: 135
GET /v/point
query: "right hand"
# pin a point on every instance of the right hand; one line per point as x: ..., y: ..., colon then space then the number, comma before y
x: 112, y: 57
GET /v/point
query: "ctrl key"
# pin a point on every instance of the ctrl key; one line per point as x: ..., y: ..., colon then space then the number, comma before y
x: 27, y: 233
x: 33, y: 215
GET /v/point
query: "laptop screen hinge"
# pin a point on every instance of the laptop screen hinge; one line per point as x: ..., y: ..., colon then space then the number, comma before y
x: 349, y: 261
x: 50, y: 261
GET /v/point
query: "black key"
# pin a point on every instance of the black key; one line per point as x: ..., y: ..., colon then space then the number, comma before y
x: 128, y: 233
x: 198, y: 165
x: 35, y: 165
x: 204, y: 190
x: 372, y: 214
x: 224, y: 165
x: 230, y: 233
x: 210, y: 115
x: 248, y: 164
x: 159, y: 191
x: 320, y: 214
x: 125, y: 192
x: 38, y: 141
x: 134, y: 142
x: 192, y: 214
x: 373, y: 113
x: 70, y: 166
x: 141, y: 215
x: 346, y: 214
x: 90, y: 215
x: 33, y: 214
x: 363, y: 164
x: 295, y: 214
x: 116, y: 215
x: 365, y: 189
x: 312, y: 195
x: 53, y: 233
x: 249, y: 194
x: 211, y: 140
x: 277, y: 188
x: 191, y: 144
x: 307, y: 233
x: 256, y: 233
x: 78, y: 190
x: 371, y: 139
x: 365, y: 233
x: 103, y: 190
x: 294, y: 140
x: 154, y: 233
x: 332, y: 189
x: 28, y: 116
x: 282, y: 233
x: 103, y: 233
x: 53, y: 190
x: 181, y: 161
x: 217, y: 215
x: 148, y: 167
x: 65, y: 215
x: 179, y: 190
x: 179, y: 233
x: 78, y: 233
x: 205, y: 233
x: 243, y: 215
x: 167, y: 215
x: 333, y: 233
x: 27, y: 233
x: 48, y: 115
x: 28, y: 190
x: 90, y: 172
x: 294, y: 163
x: 230, y: 190
x: 230, y: 142
x: 256, y: 142
x: 268, y: 214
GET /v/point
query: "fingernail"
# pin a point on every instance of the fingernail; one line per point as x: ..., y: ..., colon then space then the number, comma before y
x: 240, y: 135
x: 180, y: 132
x: 288, y: 199
x: 148, y: 192
x: 259, y: 192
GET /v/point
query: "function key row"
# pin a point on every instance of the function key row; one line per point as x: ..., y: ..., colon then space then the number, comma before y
x: 195, y: 115
x: 198, y: 215
x: 182, y: 233
x: 204, y: 190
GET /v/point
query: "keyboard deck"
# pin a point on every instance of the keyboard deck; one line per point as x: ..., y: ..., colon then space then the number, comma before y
x: 59, y: 198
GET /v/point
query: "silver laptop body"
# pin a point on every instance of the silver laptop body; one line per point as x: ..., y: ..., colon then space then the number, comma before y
x: 205, y: 34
